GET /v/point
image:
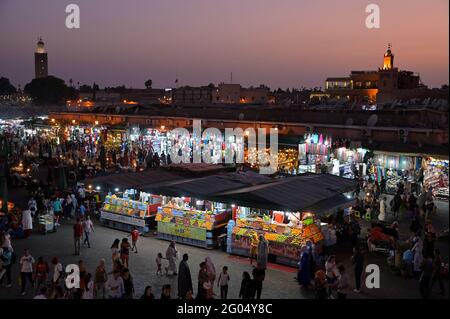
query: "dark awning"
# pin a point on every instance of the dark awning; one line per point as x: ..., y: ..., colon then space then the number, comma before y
x: 299, y: 193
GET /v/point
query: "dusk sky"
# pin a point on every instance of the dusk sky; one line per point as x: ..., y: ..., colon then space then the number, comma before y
x: 280, y: 43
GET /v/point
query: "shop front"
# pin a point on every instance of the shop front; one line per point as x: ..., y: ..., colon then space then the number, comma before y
x: 395, y: 169
x: 435, y: 175
x: 349, y: 161
x: 314, y: 153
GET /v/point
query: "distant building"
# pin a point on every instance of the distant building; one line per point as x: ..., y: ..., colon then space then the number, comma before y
x: 258, y: 95
x: 40, y: 61
x: 188, y: 95
x: 235, y: 94
x: 227, y: 94
x: 144, y: 96
x: 101, y: 97
x: 383, y: 85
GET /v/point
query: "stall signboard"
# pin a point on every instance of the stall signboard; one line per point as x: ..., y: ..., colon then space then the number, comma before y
x: 275, y: 248
x: 182, y: 230
x: 197, y: 219
x: 140, y: 222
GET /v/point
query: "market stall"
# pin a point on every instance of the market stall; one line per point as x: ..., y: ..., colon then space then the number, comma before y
x: 286, y: 233
x: 435, y: 175
x: 124, y: 212
x: 346, y: 161
x: 46, y: 223
x: 193, y: 222
x: 314, y: 152
x: 395, y: 169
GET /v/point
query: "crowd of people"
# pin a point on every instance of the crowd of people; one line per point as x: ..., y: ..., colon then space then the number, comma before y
x: 318, y: 269
x: 46, y: 279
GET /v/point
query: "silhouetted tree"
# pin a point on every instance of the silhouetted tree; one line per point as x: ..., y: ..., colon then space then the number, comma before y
x: 148, y: 84
x: 6, y: 88
x: 49, y: 90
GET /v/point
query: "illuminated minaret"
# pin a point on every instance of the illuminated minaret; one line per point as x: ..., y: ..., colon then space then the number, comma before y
x: 388, y: 63
x: 40, y: 61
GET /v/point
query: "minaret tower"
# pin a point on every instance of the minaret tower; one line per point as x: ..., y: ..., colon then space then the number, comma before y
x: 40, y: 61
x: 388, y: 63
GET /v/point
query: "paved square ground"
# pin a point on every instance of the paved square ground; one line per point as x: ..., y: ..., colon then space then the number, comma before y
x: 279, y: 281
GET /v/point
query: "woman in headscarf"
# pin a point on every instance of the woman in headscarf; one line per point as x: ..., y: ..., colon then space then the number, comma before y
x: 211, y: 274
x: 184, y: 278
x: 418, y: 255
x: 263, y: 252
x: 304, y: 270
x: 171, y: 255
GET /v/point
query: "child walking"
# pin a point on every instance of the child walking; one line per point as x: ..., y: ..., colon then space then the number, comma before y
x: 159, y: 258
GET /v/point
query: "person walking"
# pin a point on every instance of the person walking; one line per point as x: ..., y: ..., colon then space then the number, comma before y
x: 253, y: 247
x: 88, y: 228
x: 171, y: 255
x: 67, y: 207
x: 211, y: 274
x: 222, y: 282
x: 259, y: 274
x: 27, y: 223
x: 125, y: 252
x: 342, y: 283
x: 184, y: 277
x: 6, y: 263
x: 426, y: 277
x: 203, y: 278
x: 417, y: 248
x: 134, y: 238
x: 382, y: 215
x: 41, y: 273
x: 437, y: 272
x: 263, y: 252
x: 115, y: 254
x: 114, y: 286
x: 358, y: 266
x: 82, y: 211
x: 57, y: 211
x: 57, y: 272
x: 331, y: 273
x: 26, y: 270
x: 88, y: 292
x: 77, y: 233
x: 128, y: 284
x: 304, y: 268
x: 74, y: 205
x: 246, y: 291
x: 100, y: 278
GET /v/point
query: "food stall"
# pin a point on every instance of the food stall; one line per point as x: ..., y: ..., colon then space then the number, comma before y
x: 192, y: 222
x: 286, y: 233
x: 436, y: 176
x: 46, y: 223
x: 124, y: 213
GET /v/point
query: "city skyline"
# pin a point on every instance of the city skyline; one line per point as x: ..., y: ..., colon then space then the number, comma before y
x: 264, y: 42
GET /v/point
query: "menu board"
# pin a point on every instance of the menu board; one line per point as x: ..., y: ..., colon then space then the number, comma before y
x: 182, y: 231
x: 198, y: 219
